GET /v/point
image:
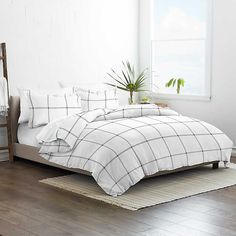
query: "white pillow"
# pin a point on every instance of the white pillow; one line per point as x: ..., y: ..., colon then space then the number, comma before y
x: 46, y: 108
x: 91, y: 100
x: 24, y: 96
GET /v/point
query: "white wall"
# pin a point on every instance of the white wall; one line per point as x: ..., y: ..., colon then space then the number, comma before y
x: 221, y: 110
x: 67, y: 40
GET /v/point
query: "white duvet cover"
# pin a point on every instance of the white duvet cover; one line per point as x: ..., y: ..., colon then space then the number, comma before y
x: 122, y: 146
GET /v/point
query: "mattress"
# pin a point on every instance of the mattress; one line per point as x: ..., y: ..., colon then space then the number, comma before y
x: 27, y: 135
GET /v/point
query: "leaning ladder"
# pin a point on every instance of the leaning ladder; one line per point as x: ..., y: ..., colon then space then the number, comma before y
x: 3, y: 58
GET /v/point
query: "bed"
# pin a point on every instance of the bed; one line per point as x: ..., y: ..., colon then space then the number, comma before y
x: 28, y: 148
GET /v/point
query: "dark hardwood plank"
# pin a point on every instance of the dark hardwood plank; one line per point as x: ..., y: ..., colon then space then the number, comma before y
x: 8, y: 229
x: 176, y: 230
x: 208, y: 228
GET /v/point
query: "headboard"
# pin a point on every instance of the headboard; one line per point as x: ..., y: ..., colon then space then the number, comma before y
x: 15, y: 113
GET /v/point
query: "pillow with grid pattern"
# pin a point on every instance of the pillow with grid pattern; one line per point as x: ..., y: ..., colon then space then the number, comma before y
x: 24, y: 96
x: 46, y: 108
x: 91, y: 100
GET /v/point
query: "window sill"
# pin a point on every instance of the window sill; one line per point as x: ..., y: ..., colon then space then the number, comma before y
x: 180, y: 97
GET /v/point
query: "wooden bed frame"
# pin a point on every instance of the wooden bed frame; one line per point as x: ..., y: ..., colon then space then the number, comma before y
x: 31, y: 153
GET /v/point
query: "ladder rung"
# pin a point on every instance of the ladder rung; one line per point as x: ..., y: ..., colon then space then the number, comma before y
x: 1, y: 58
x: 3, y: 148
x: 3, y: 125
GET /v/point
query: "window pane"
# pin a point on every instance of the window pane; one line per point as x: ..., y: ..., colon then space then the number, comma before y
x: 181, y: 59
x: 179, y: 19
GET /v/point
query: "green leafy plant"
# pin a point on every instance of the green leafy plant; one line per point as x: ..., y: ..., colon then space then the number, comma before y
x: 126, y: 80
x: 178, y: 82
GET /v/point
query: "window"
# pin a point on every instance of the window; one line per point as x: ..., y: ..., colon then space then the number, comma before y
x: 180, y: 44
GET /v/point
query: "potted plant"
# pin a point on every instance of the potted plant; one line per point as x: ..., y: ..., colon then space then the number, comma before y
x: 178, y: 82
x: 127, y: 80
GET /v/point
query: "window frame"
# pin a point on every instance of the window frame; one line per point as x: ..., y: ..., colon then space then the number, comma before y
x: 209, y: 47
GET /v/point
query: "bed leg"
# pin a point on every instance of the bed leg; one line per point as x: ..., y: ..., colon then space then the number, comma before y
x: 215, y: 165
x: 226, y: 164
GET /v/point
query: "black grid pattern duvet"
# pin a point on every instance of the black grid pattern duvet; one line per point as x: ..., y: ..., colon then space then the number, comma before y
x: 120, y: 147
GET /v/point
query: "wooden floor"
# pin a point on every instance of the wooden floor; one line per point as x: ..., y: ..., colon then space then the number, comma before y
x: 30, y: 208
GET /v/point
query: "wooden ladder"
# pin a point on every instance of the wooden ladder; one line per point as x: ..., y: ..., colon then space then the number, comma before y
x: 3, y: 58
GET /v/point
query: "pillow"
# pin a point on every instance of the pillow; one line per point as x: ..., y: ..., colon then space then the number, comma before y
x: 24, y: 96
x: 91, y: 100
x: 46, y: 108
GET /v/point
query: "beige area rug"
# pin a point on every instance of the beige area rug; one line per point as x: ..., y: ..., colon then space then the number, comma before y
x: 153, y: 191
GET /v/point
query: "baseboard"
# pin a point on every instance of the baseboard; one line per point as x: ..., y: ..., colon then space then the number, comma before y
x: 4, y: 156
